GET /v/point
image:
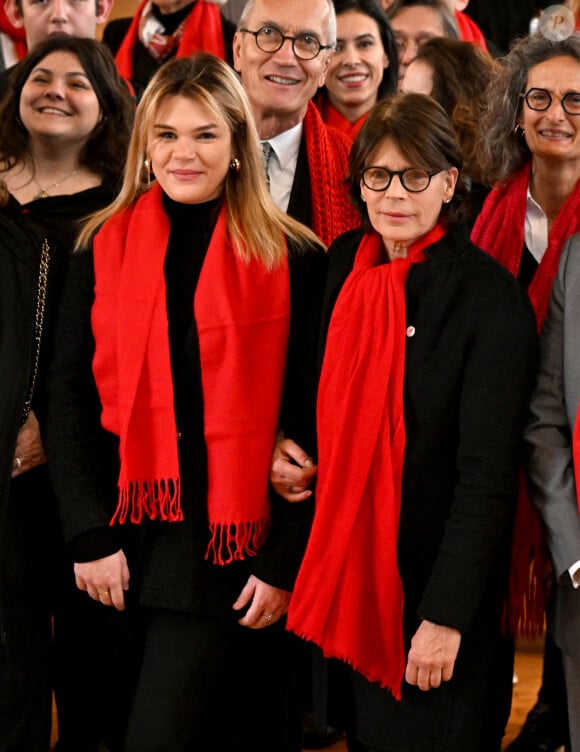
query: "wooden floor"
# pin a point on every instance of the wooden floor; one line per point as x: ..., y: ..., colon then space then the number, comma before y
x: 528, y: 672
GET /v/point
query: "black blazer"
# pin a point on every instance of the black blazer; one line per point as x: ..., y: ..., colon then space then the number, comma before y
x: 469, y: 372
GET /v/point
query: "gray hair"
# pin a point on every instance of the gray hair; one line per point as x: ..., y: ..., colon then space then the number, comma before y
x: 503, y: 150
x: 331, y: 29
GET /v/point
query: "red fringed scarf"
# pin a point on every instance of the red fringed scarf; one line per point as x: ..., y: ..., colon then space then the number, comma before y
x: 469, y: 31
x: 327, y: 150
x: 348, y: 597
x: 203, y: 32
x: 18, y: 36
x: 499, y: 230
x: 242, y: 313
x: 335, y: 119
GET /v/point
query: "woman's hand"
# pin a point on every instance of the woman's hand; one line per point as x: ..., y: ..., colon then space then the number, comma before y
x: 267, y: 603
x: 105, y: 579
x: 432, y: 655
x: 29, y: 451
x: 291, y: 471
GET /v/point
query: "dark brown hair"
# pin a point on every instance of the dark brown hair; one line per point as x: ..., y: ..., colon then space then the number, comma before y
x: 106, y: 150
x: 461, y: 74
x: 420, y: 129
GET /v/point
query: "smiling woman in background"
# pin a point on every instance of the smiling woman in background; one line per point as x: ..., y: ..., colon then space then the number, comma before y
x: 363, y: 68
x: 530, y: 150
x: 64, y: 129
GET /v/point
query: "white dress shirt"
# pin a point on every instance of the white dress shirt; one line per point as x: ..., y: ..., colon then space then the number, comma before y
x: 282, y: 164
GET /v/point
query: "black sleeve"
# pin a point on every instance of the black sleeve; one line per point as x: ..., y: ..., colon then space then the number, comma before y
x: 497, y: 383
x: 82, y: 456
x: 279, y: 560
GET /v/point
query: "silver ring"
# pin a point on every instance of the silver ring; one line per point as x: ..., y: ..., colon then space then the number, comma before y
x: 268, y: 617
x: 18, y: 462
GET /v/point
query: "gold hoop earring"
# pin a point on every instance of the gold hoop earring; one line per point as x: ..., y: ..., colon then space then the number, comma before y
x: 235, y: 165
x: 519, y: 131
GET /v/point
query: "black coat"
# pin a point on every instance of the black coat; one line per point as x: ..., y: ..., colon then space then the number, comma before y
x: 469, y: 371
x: 84, y: 460
x: 20, y: 249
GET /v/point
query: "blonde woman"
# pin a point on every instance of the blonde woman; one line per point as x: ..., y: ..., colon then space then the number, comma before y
x: 202, y: 346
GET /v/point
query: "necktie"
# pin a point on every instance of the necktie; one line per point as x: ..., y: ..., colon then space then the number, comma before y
x: 267, y: 151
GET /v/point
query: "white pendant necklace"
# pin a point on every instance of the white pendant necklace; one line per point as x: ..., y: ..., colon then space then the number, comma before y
x: 43, y: 192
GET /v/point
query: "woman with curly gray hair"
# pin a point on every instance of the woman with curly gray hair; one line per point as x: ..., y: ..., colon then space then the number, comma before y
x: 531, y: 152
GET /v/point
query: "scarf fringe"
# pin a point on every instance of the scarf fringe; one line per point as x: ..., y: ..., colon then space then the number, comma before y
x: 237, y: 541
x: 155, y: 499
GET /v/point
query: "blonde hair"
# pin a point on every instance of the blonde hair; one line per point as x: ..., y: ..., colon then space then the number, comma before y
x: 256, y: 225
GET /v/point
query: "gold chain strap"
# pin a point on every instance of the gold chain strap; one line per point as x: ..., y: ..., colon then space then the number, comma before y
x: 38, y: 321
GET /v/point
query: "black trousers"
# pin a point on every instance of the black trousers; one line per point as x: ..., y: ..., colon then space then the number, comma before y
x: 28, y: 570
x: 210, y: 684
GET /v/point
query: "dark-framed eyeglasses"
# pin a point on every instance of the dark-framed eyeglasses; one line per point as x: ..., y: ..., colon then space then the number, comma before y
x: 541, y: 100
x: 305, y: 46
x: 413, y: 179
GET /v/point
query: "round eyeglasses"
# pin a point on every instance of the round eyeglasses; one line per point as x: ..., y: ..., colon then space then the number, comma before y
x: 412, y: 179
x: 541, y: 100
x: 305, y: 46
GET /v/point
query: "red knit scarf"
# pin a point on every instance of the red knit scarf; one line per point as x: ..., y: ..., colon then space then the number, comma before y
x: 242, y: 315
x: 18, y: 36
x: 499, y: 230
x: 203, y: 32
x: 327, y: 150
x: 335, y: 119
x: 469, y: 31
x: 348, y: 597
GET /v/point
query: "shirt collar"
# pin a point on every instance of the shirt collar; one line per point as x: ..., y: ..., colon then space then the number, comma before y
x: 286, y: 145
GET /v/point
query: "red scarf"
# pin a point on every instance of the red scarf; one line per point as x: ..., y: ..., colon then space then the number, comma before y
x: 348, y: 596
x: 469, y: 31
x: 335, y: 119
x: 242, y: 313
x: 499, y: 230
x: 203, y: 32
x: 327, y: 150
x: 18, y: 36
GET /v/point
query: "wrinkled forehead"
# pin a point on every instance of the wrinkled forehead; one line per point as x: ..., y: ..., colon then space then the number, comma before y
x: 291, y: 16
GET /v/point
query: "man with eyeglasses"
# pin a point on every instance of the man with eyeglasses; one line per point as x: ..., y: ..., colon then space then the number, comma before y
x: 282, y: 49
